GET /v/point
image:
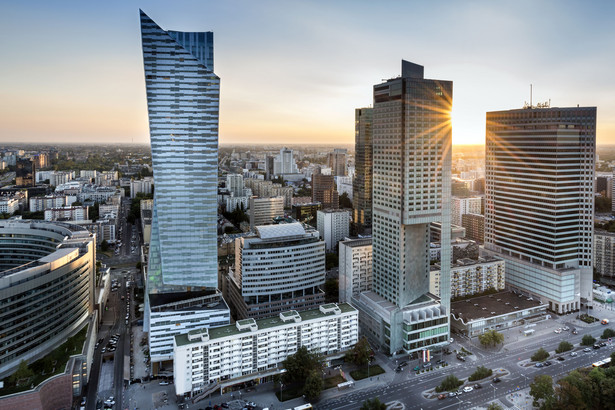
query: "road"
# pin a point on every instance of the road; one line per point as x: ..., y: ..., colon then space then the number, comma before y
x: 408, y: 387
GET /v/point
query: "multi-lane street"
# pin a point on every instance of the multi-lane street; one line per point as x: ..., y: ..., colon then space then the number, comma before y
x: 408, y: 388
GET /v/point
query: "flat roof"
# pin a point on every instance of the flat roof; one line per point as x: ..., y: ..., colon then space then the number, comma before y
x: 267, y: 323
x: 494, y: 305
x: 280, y: 231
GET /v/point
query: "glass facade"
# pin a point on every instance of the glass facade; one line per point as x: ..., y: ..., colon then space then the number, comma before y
x: 183, y: 96
x: 362, y: 184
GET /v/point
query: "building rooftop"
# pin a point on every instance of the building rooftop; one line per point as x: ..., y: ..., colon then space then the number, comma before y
x: 353, y: 243
x: 280, y: 231
x: 267, y: 323
x: 492, y: 305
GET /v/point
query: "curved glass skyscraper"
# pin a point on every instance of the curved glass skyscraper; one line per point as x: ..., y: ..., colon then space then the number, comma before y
x: 183, y: 95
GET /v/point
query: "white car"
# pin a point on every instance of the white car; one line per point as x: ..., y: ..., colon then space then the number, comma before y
x: 468, y: 389
x: 163, y: 383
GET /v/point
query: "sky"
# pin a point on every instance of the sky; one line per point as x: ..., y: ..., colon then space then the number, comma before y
x: 292, y: 72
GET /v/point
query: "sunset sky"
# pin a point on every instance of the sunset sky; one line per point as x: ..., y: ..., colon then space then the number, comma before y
x: 293, y: 72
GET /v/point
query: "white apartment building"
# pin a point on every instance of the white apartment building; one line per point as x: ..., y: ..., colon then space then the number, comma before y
x: 232, y: 202
x: 333, y: 226
x: 263, y: 210
x: 464, y: 205
x: 169, y: 318
x: 141, y: 186
x: 8, y: 205
x: 604, y: 253
x: 88, y: 173
x: 234, y: 184
x: 67, y: 213
x: 284, y: 162
x: 207, y: 359
x: 40, y: 203
x: 469, y: 276
x: 355, y: 270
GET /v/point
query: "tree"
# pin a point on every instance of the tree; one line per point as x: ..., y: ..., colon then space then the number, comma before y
x: 540, y: 355
x: 22, y: 372
x: 300, y: 365
x: 449, y: 383
x: 541, y: 389
x: 491, y: 338
x: 104, y: 245
x: 373, y: 404
x: 332, y: 260
x: 139, y: 265
x: 360, y: 353
x: 313, y: 386
x: 332, y: 290
x: 494, y: 406
x: 608, y: 333
x: 345, y: 201
x: 588, y: 340
x: 564, y: 346
x: 613, y: 359
x: 480, y: 373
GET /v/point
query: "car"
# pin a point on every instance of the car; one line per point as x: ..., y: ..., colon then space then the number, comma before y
x: 478, y: 386
x: 224, y: 405
x: 103, y: 350
x: 497, y: 380
x: 566, y: 328
x: 441, y: 361
x: 404, y: 363
x: 426, y: 365
x: 83, y: 400
x: 99, y: 404
x: 398, y: 369
x: 468, y: 389
x: 575, y: 331
x: 573, y: 354
x: 548, y: 363
x: 251, y: 403
x: 557, y: 331
x: 163, y: 383
x: 441, y: 396
x: 560, y: 358
x: 452, y: 394
x: 587, y: 349
x: 602, y: 344
x: 417, y: 368
x: 596, y: 346
x: 539, y: 364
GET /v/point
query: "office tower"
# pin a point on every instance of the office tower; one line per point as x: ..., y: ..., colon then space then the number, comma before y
x: 183, y: 125
x: 234, y: 184
x: 265, y: 283
x: 182, y: 100
x: 269, y: 165
x: 333, y: 226
x: 540, y: 201
x: 284, y: 162
x: 306, y: 212
x: 25, y: 172
x: 362, y: 184
x: 323, y: 191
x: 411, y: 180
x: 264, y: 210
x: 355, y: 270
x: 474, y: 225
x: 464, y: 205
x: 337, y: 161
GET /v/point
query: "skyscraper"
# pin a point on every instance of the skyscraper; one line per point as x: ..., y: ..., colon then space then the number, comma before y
x: 411, y: 177
x: 183, y: 95
x: 284, y: 162
x: 362, y: 184
x: 540, y: 201
x: 323, y: 191
x: 337, y: 161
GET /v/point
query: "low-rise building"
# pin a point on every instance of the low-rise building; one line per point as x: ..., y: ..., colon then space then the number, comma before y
x: 40, y: 203
x: 306, y: 211
x: 604, y: 256
x: 67, y: 213
x: 503, y: 310
x: 8, y: 205
x: 264, y: 210
x: 207, y: 359
x: 470, y: 276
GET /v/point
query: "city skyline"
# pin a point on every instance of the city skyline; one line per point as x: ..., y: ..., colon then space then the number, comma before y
x: 306, y: 61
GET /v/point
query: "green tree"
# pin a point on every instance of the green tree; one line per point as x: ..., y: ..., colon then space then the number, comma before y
x: 450, y: 383
x: 541, y: 389
x: 332, y: 260
x: 602, y: 204
x: 564, y: 346
x: 22, y: 372
x: 608, y: 333
x: 480, y: 373
x: 491, y: 338
x: 313, y: 386
x: 588, y: 340
x: 494, y: 406
x: 139, y: 265
x: 540, y: 355
x: 332, y: 290
x: 104, y: 245
x: 300, y: 365
x: 373, y: 404
x: 360, y: 353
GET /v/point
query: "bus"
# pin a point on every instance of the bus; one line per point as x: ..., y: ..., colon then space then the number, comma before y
x: 602, y: 363
x: 304, y: 407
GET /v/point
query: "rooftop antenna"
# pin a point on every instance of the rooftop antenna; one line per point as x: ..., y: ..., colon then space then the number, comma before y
x: 530, y: 95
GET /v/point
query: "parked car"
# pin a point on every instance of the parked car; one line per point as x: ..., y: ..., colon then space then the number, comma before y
x: 478, y: 386
x: 573, y: 354
x: 441, y: 396
x: 587, y: 349
x: 496, y: 380
x: 560, y: 358
x: 539, y: 364
x: 548, y: 363
x: 417, y: 368
x: 468, y: 389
